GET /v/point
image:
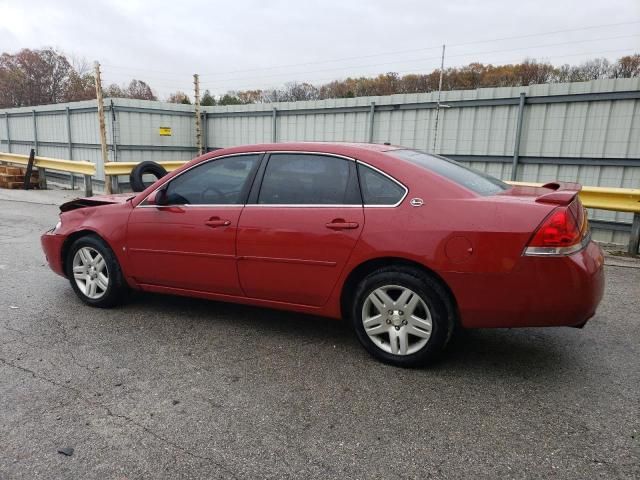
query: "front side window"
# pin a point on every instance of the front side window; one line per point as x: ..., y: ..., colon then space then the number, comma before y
x: 378, y: 189
x: 308, y: 179
x: 217, y: 182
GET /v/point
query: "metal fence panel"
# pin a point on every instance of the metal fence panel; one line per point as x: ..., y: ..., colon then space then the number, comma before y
x: 585, y: 131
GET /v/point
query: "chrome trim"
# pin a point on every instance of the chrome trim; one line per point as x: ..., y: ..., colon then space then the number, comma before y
x: 306, y: 152
x: 557, y: 251
x: 305, y: 205
x: 193, y: 205
x: 311, y: 205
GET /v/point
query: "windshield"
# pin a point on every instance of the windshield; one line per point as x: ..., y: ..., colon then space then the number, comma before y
x: 474, y: 180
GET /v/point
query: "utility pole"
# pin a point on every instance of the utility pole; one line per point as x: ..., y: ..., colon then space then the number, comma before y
x: 196, y: 84
x: 103, y: 128
x: 435, y: 128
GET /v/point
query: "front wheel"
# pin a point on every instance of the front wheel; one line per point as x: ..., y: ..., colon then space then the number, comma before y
x: 402, y: 316
x: 94, y: 272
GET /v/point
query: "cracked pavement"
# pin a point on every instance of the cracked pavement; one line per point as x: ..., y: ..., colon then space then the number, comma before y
x: 168, y: 387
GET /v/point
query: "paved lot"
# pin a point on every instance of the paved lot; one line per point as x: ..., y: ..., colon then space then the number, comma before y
x: 177, y: 388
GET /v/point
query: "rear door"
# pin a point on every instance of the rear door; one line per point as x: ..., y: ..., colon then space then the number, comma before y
x: 190, y: 242
x: 299, y: 227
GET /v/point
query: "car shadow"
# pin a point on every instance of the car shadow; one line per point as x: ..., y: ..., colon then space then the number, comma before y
x: 522, y: 352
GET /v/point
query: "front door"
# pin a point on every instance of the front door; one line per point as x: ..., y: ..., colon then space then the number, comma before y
x: 296, y: 236
x: 189, y: 241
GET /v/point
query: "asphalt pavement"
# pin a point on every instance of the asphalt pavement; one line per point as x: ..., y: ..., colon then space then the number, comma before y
x: 168, y: 387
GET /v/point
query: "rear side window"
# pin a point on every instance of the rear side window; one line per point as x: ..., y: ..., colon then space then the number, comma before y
x: 307, y: 179
x: 378, y: 189
x: 476, y: 181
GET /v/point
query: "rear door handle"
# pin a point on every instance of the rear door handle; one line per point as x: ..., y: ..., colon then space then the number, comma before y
x: 216, y: 222
x: 342, y: 225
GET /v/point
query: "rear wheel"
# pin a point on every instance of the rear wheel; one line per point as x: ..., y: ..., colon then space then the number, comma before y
x: 402, y: 316
x: 94, y: 272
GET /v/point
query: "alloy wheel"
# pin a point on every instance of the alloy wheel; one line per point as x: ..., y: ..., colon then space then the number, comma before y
x: 90, y: 272
x: 396, y: 320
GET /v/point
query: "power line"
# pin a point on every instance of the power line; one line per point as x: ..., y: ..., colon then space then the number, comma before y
x: 222, y: 82
x: 427, y: 58
x: 251, y: 85
x: 396, y: 52
x: 435, y: 47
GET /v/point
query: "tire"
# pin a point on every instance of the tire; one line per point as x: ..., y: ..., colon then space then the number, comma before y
x: 106, y: 293
x: 144, y: 168
x: 396, y: 336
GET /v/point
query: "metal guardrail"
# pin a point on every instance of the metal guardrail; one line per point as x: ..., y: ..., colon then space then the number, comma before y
x: 604, y: 198
x: 87, y: 169
x: 124, y: 168
x: 601, y: 198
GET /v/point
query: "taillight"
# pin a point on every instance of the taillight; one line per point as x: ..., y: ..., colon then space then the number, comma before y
x: 561, y: 233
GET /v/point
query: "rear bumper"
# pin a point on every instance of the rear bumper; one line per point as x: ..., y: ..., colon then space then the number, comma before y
x: 52, y: 247
x: 538, y: 292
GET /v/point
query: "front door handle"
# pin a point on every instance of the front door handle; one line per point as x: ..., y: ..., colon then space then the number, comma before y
x: 217, y: 222
x: 342, y: 225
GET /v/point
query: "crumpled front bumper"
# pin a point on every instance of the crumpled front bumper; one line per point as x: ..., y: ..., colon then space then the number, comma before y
x: 52, y: 247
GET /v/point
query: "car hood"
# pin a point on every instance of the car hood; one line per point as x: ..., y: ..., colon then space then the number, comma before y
x: 95, y: 201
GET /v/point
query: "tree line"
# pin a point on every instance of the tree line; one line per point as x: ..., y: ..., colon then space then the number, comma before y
x: 472, y: 76
x: 39, y: 77
x: 45, y: 76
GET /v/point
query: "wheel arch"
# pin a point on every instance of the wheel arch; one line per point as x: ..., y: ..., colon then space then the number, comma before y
x: 72, y: 238
x: 358, y: 273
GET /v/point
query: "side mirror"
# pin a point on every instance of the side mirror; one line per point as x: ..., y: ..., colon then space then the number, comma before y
x: 158, y: 198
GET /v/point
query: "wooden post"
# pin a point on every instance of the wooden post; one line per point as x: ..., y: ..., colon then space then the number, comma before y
x: 29, y: 170
x: 103, y: 129
x: 196, y: 84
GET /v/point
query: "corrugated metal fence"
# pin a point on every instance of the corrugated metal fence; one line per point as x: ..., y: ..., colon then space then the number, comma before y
x: 587, y: 132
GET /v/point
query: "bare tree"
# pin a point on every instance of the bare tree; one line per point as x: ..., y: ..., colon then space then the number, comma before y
x: 33, y: 77
x: 139, y: 90
x: 179, y: 97
x: 37, y: 77
x: 627, y: 67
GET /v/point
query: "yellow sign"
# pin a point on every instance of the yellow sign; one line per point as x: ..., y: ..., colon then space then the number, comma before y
x: 165, y: 131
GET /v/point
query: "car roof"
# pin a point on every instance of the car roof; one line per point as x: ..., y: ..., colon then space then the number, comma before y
x: 339, y: 148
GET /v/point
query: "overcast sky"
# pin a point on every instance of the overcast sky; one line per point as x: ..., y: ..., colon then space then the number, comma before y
x: 246, y: 44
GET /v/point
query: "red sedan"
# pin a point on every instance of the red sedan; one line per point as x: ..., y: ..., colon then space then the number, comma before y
x: 404, y: 244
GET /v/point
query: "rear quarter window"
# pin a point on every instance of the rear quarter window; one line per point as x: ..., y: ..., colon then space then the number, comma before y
x: 474, y: 180
x: 378, y: 189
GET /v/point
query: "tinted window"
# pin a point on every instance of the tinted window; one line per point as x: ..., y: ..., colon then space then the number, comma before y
x: 474, y: 180
x: 303, y: 179
x: 219, y: 182
x: 378, y: 189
